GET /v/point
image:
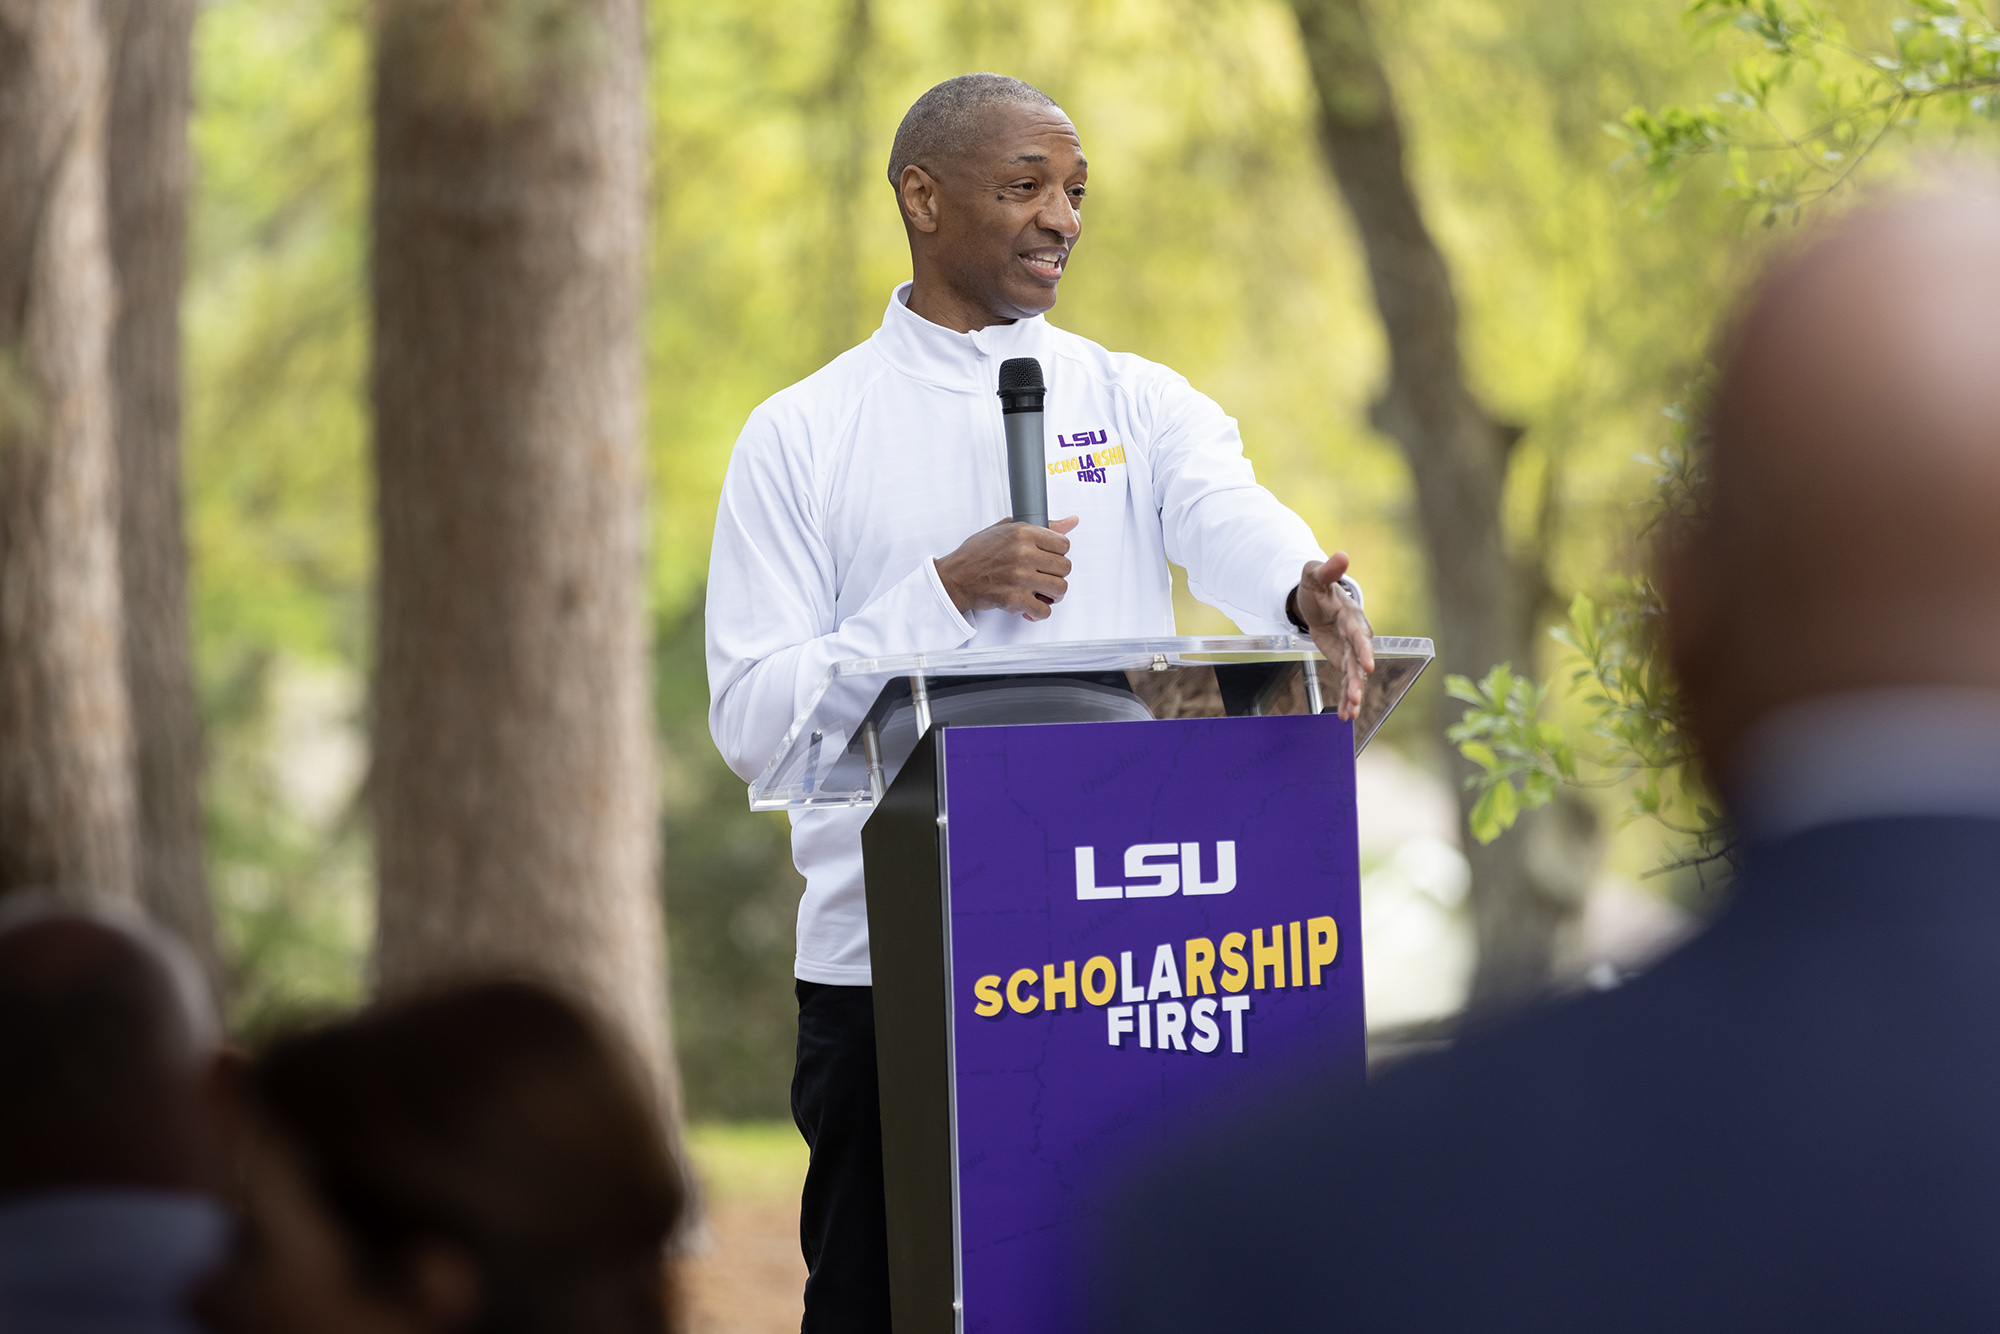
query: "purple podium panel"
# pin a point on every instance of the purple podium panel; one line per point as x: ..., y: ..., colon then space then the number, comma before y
x: 1151, y: 926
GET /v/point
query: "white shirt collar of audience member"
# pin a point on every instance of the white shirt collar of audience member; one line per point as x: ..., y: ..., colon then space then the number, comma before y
x: 1869, y: 755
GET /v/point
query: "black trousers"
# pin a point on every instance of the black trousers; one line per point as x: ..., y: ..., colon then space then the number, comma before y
x: 843, y: 1224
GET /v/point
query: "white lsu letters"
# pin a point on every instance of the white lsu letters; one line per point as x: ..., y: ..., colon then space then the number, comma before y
x: 1171, y: 868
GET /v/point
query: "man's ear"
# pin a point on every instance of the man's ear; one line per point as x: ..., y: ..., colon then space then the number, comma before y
x: 919, y: 195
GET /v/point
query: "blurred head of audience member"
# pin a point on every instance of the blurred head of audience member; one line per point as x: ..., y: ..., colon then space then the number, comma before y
x: 1850, y: 542
x: 485, y: 1160
x: 108, y: 1155
x: 1789, y: 1123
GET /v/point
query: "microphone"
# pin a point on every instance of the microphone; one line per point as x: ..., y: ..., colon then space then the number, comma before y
x: 1021, y: 394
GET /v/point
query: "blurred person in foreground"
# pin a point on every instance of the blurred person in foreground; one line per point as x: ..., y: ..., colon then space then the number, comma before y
x: 108, y: 1152
x: 864, y: 515
x: 1794, y: 1122
x: 482, y: 1160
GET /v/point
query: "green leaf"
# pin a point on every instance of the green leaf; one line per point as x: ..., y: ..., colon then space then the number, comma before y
x: 1493, y: 814
x: 1565, y: 761
x: 1460, y: 687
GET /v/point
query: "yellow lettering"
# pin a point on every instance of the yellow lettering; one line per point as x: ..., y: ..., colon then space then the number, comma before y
x: 1272, y: 959
x: 1200, y: 967
x: 988, y: 990
x: 1322, y: 944
x: 1099, y: 967
x: 1237, y: 972
x: 1053, y: 986
x: 1298, y: 959
x: 1015, y: 1000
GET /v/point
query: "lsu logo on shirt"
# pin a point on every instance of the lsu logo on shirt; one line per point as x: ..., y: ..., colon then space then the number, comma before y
x: 1091, y: 467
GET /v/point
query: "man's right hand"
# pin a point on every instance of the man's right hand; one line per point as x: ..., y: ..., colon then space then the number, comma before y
x: 1013, y: 566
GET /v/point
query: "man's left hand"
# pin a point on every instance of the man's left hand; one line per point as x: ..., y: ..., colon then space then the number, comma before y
x: 1339, y: 629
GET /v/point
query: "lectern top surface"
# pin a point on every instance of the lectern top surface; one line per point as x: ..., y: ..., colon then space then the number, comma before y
x: 866, y: 714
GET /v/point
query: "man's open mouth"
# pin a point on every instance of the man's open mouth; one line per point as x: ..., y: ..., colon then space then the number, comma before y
x: 1046, y: 263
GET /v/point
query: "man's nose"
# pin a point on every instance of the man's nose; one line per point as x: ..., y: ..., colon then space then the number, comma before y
x: 1060, y: 215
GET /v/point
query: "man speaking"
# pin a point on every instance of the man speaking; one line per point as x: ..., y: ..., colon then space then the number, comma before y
x: 858, y: 520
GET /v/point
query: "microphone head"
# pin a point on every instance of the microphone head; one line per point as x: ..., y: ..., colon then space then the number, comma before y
x: 1020, y: 373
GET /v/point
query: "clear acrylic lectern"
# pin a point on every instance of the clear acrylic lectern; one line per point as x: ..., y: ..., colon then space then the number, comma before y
x: 865, y: 718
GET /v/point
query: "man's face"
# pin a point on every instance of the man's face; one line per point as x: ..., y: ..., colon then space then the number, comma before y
x: 1008, y: 215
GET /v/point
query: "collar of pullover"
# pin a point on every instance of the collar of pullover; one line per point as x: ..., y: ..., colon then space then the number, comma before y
x: 956, y: 360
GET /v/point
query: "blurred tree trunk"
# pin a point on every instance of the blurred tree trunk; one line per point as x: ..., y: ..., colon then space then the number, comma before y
x: 66, y: 790
x: 146, y: 152
x: 513, y: 786
x: 1486, y: 602
x: 841, y: 143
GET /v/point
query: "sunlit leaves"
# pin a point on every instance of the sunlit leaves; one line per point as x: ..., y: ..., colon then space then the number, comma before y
x: 1810, y: 104
x: 1632, y: 725
x: 1521, y: 756
x: 1663, y: 141
x: 275, y: 447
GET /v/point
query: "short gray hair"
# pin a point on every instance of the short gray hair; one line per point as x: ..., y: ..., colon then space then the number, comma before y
x: 944, y: 123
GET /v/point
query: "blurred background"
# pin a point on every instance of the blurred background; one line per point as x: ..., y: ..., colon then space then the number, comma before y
x: 1216, y: 241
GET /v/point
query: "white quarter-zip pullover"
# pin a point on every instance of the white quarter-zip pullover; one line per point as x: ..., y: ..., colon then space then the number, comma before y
x: 844, y: 489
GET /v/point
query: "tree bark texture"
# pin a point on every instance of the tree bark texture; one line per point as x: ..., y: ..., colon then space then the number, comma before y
x: 513, y: 786
x: 1485, y: 602
x: 66, y: 789
x: 842, y: 148
x: 146, y: 152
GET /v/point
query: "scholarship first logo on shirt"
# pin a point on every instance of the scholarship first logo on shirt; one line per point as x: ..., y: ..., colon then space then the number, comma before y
x: 1153, y: 927
x: 1091, y: 467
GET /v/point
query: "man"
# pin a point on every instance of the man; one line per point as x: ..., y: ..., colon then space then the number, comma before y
x: 1791, y: 1123
x: 858, y: 519
x: 107, y: 1151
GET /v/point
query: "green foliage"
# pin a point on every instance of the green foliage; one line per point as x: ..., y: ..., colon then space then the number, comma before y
x: 1506, y: 736
x: 1582, y: 315
x: 1635, y: 714
x: 731, y: 899
x: 278, y: 494
x: 1807, y: 107
x: 1810, y: 103
x: 1618, y: 676
x: 1632, y: 725
x: 289, y: 865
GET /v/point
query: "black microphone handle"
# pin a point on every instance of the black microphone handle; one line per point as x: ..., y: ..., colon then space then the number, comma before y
x: 1027, y: 467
